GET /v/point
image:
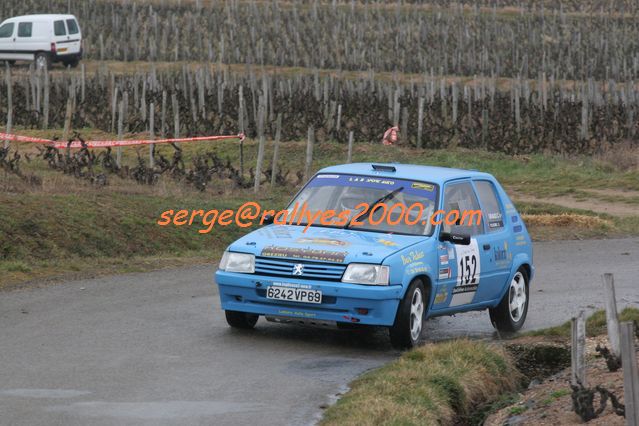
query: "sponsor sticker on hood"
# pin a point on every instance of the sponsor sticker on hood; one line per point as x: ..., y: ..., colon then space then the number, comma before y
x: 305, y: 253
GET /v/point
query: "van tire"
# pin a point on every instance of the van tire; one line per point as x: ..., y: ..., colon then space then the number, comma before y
x: 73, y: 63
x: 405, y: 332
x: 11, y: 62
x: 242, y: 320
x: 503, y: 317
x: 43, y: 60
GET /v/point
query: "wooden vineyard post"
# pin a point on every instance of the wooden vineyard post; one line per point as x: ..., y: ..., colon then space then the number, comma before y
x: 578, y: 346
x: 9, y: 101
x: 276, y: 149
x: 260, y: 150
x: 176, y: 115
x: 612, y: 319
x: 420, y: 121
x: 151, y: 134
x: 630, y: 373
x: 240, y: 119
x: 309, y: 153
x: 45, y: 107
x: 349, y: 157
x: 118, y: 152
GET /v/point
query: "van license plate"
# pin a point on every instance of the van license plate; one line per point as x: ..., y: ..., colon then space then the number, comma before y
x: 294, y: 294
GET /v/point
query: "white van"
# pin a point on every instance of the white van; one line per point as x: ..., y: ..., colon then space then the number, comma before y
x: 41, y: 38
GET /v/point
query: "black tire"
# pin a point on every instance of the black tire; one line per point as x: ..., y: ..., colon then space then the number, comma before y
x: 43, y: 59
x: 402, y: 333
x: 73, y: 63
x: 11, y: 62
x: 241, y: 320
x: 502, y: 316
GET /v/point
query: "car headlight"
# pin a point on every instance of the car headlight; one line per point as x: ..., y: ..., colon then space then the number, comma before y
x: 362, y: 273
x: 238, y: 262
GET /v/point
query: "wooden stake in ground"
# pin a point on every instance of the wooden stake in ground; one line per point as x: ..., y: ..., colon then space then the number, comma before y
x: 630, y: 373
x: 118, y: 152
x: 151, y: 134
x: 262, y: 142
x: 9, y: 100
x: 349, y: 156
x: 309, y: 153
x: 578, y: 346
x: 612, y: 319
x: 276, y: 148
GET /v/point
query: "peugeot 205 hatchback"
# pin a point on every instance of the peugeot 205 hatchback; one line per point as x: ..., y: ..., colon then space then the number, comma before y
x: 394, y: 272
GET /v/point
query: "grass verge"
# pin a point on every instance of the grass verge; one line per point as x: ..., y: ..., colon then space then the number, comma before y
x: 433, y: 384
x: 595, y: 324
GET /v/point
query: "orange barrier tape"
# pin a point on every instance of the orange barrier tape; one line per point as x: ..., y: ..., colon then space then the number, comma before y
x: 114, y: 143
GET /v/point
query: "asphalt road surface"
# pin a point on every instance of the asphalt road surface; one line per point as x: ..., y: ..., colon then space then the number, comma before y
x: 154, y: 348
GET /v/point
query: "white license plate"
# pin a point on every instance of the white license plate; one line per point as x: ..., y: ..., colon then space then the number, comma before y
x: 294, y: 294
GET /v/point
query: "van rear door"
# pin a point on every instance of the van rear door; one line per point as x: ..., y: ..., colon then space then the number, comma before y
x: 67, y: 36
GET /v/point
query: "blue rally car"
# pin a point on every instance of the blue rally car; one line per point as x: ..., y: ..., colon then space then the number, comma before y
x: 379, y: 274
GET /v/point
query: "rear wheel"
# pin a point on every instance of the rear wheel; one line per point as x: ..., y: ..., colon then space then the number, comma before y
x: 407, y: 329
x: 73, y: 63
x: 241, y: 319
x: 510, y: 314
x: 43, y: 60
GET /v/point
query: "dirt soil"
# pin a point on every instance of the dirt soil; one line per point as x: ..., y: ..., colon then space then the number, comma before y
x: 550, y: 403
x: 619, y: 209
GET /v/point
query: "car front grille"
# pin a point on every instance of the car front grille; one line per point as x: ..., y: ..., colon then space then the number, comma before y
x: 286, y: 267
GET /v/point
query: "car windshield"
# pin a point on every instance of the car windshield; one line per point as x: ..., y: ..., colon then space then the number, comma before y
x: 409, y: 204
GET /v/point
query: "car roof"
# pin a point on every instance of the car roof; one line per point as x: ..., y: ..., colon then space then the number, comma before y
x: 42, y: 16
x: 433, y: 174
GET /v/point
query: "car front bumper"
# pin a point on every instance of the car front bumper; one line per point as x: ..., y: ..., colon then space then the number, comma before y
x: 341, y: 302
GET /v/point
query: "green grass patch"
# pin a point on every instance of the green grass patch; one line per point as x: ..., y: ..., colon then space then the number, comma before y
x: 433, y: 384
x: 595, y: 324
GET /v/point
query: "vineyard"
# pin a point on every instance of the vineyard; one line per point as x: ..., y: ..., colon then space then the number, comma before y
x: 542, y: 115
x: 512, y: 77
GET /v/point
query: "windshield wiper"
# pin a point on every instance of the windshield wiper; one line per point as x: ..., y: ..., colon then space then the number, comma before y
x: 383, y: 199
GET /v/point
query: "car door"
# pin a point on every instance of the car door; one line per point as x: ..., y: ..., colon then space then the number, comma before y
x: 461, y: 273
x: 7, y: 43
x: 494, y: 241
x: 60, y: 36
x: 24, y: 44
x: 73, y: 42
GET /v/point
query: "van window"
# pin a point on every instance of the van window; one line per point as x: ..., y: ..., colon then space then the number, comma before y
x: 491, y: 209
x: 24, y: 29
x: 6, y: 30
x: 72, y: 26
x: 59, y: 29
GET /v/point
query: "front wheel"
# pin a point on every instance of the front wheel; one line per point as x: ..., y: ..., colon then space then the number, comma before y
x: 241, y: 319
x: 43, y: 60
x: 510, y: 314
x: 405, y: 332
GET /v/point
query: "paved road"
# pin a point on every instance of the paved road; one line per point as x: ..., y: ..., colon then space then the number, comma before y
x: 154, y: 349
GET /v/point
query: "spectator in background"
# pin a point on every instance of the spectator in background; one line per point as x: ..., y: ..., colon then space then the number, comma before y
x: 391, y: 136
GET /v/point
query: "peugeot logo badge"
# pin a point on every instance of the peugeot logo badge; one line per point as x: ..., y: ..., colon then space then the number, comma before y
x: 298, y: 269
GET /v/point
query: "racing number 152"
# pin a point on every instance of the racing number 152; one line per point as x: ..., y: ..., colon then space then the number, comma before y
x: 466, y: 264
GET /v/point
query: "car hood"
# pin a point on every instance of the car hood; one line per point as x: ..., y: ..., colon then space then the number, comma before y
x: 322, y: 244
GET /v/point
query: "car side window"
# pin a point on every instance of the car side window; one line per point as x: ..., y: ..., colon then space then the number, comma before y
x: 6, y: 30
x: 25, y: 29
x: 72, y: 26
x: 491, y: 209
x: 461, y: 198
x: 59, y: 28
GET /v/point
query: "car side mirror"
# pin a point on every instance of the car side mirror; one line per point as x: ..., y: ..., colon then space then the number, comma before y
x: 268, y: 219
x: 461, y: 239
